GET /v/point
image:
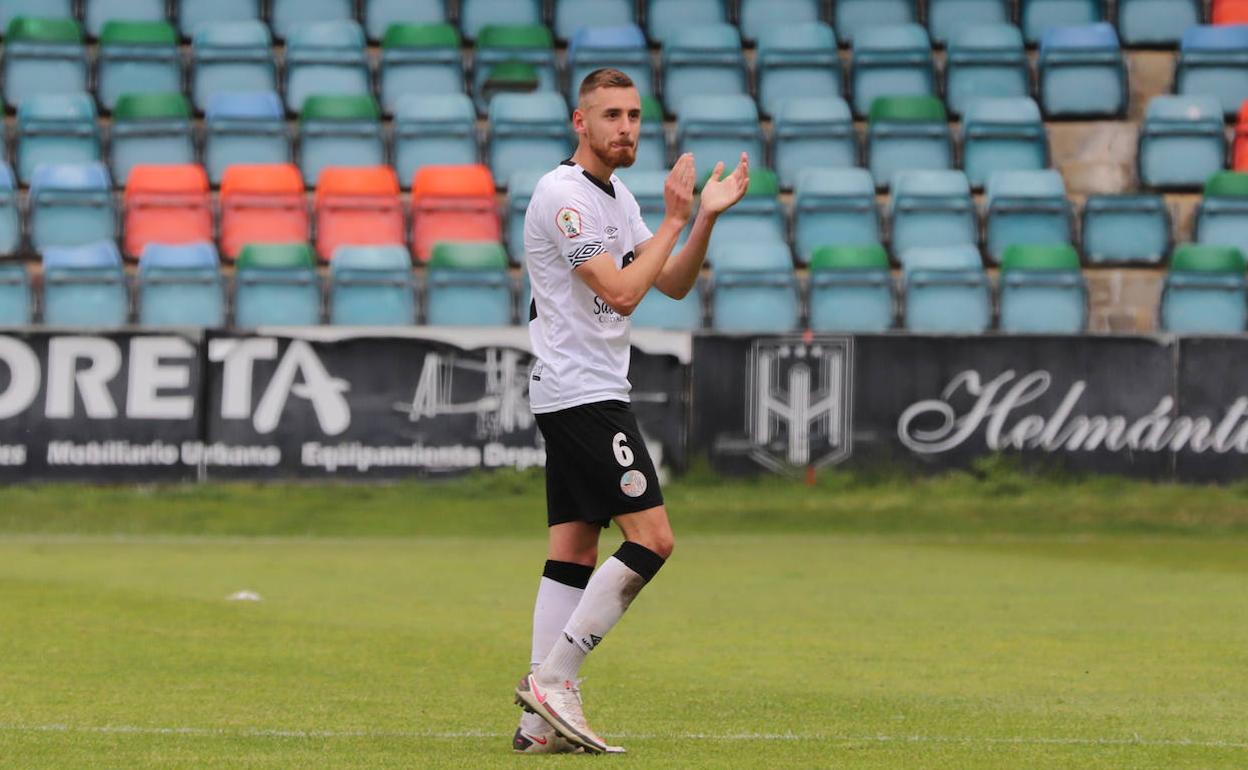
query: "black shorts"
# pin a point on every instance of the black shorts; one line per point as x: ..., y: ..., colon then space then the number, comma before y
x: 597, y: 465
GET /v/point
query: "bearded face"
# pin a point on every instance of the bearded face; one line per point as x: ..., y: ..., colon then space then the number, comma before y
x: 611, y: 124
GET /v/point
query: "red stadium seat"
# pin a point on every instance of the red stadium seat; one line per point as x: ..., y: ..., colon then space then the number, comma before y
x: 357, y: 207
x: 1230, y: 11
x: 166, y: 204
x: 262, y: 204
x: 1239, y: 150
x: 453, y: 203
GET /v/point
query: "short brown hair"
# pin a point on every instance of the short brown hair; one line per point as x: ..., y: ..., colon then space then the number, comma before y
x: 604, y: 78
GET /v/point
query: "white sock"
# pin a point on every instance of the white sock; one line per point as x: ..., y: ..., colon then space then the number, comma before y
x: 558, y: 593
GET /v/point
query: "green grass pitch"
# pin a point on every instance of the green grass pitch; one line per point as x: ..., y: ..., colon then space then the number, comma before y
x: 962, y: 622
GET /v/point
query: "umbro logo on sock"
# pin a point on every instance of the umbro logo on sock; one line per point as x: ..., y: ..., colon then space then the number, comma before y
x: 592, y: 642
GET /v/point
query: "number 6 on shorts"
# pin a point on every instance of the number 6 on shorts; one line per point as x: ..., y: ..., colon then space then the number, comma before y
x: 623, y: 454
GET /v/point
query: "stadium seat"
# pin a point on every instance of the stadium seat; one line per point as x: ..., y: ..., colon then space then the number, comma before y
x: 834, y: 207
x: 420, y: 60
x: 813, y: 133
x: 55, y: 128
x: 1037, y: 17
x: 1214, y: 60
x: 1026, y: 207
x: 852, y: 16
x: 719, y: 128
x: 527, y: 131
x: 16, y: 304
x: 1222, y: 216
x: 985, y: 61
x: 947, y: 19
x: 357, y: 207
x: 339, y: 130
x: 48, y: 9
x: 381, y: 15
x: 434, y: 130
x: 150, y: 129
x: 851, y: 289
x: 193, y: 14
x: 85, y: 286
x: 519, y: 192
x: 1156, y: 22
x: 43, y: 56
x: 275, y: 284
x: 946, y: 291
x: 71, y: 204
x: 327, y: 57
x: 620, y: 47
x: 702, y: 60
x: 652, y: 144
x: 468, y: 285
x: 1181, y: 142
x: 1227, y: 12
x: 1043, y: 291
x: 474, y: 15
x: 755, y: 16
x: 10, y: 219
x: 137, y: 57
x: 1125, y: 228
x: 1204, y: 291
x: 98, y: 13
x: 666, y: 18
x: 1003, y: 135
x: 891, y: 61
x: 574, y: 16
x: 647, y: 189
x: 1082, y: 73
x: 931, y: 208
x: 371, y: 286
x: 231, y: 56
x: 758, y: 218
x: 285, y: 16
x: 180, y: 286
x: 659, y: 311
x: 764, y: 254
x: 262, y: 204
x: 166, y: 204
x: 503, y: 45
x: 756, y: 301
x: 244, y: 128
x: 797, y: 61
x: 907, y: 132
x: 452, y: 203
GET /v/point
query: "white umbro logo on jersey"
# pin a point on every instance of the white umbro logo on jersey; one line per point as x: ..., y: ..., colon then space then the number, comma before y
x: 612, y: 232
x: 569, y: 222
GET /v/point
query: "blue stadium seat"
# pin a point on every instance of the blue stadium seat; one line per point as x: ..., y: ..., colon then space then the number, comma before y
x: 946, y: 19
x: 659, y: 311
x: 702, y: 60
x: 773, y: 255
x: 891, y: 61
x: 71, y: 204
x: 985, y: 61
x: 476, y: 14
x: 757, y: 15
x: 1182, y: 142
x: 468, y: 285
x: 797, y: 61
x: 504, y: 46
x: 519, y: 192
x: 422, y: 60
x: 572, y: 16
x: 85, y: 286
x: 339, y: 130
x: 1003, y: 135
x: 758, y: 301
x: 56, y: 128
x: 137, y: 57
x: 907, y: 132
x: 1039, y: 16
x: 150, y: 129
x: 433, y: 130
x: 527, y: 131
x: 10, y: 220
x: 647, y: 188
x: 97, y: 13
x: 276, y: 285
x: 16, y: 307
x: 372, y: 286
x: 622, y: 47
x: 1125, y: 228
x: 1043, y: 291
x: 193, y: 14
x: 231, y: 56
x: 243, y: 127
x: 287, y: 15
x: 326, y: 57
x: 1156, y: 22
x: 50, y: 9
x: 652, y: 144
x: 813, y: 133
x: 757, y: 219
x: 1082, y: 73
x: 851, y: 289
x: 852, y: 16
x: 946, y: 291
x: 180, y: 285
x: 931, y: 208
x: 1214, y: 60
x: 834, y: 207
x: 719, y: 128
x: 665, y: 18
x: 1026, y: 207
x: 380, y: 14
x: 42, y: 57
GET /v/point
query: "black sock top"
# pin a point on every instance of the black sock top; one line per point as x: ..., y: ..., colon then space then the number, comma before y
x: 574, y: 575
x: 639, y: 559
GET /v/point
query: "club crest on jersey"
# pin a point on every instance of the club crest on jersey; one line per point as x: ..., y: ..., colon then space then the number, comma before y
x: 569, y: 222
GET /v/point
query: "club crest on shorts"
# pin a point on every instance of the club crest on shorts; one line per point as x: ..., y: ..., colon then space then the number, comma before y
x: 633, y: 483
x: 569, y: 222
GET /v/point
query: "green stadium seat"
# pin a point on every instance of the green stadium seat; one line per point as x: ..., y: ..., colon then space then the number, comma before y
x: 1204, y: 291
x: 468, y: 285
x: 1222, y: 216
x: 99, y: 13
x: 381, y: 15
x: 150, y: 128
x: 137, y: 57
x: 851, y: 289
x: 907, y: 133
x: 500, y: 47
x: 43, y: 56
x: 276, y: 285
x: 339, y: 130
x: 420, y: 59
x: 1043, y: 290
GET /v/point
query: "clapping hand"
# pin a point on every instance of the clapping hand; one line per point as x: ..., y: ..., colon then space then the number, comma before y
x: 719, y: 195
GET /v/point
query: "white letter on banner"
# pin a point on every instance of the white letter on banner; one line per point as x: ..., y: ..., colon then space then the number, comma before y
x: 147, y: 377
x: 92, y: 382
x: 238, y: 357
x: 325, y: 392
x: 23, y: 367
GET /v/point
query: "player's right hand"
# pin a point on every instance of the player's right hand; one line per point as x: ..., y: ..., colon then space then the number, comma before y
x: 678, y: 191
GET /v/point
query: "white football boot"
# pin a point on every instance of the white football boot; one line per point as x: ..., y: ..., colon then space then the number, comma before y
x: 534, y: 736
x: 561, y: 708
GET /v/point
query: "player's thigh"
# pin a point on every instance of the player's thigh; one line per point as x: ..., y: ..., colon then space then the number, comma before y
x: 650, y: 528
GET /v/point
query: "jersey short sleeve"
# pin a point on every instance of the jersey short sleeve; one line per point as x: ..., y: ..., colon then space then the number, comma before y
x: 576, y: 225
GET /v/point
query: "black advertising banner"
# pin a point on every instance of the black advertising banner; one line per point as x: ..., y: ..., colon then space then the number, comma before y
x: 1210, y: 431
x: 99, y: 407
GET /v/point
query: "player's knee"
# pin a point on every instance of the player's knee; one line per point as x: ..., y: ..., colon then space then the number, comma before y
x: 662, y: 543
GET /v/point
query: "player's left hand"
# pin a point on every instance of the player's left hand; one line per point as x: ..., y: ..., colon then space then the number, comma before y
x: 719, y: 195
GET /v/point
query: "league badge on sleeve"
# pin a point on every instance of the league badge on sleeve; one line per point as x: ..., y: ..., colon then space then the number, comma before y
x: 569, y: 222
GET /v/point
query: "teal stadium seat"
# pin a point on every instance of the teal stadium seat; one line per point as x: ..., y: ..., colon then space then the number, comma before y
x: 947, y: 18
x: 817, y: 132
x: 231, y: 56
x: 420, y: 60
x: 519, y: 192
x: 852, y: 16
x: 380, y: 15
x: 1082, y: 73
x: 474, y: 15
x: 285, y: 16
x: 244, y: 128
x: 797, y: 61
x: 180, y: 285
x: 85, y: 286
x: 1156, y: 22
x: 946, y: 291
x: 1222, y: 216
x: 1026, y: 207
x: 1125, y: 229
x: 339, y: 130
x: 652, y: 144
x: 43, y: 56
x: 719, y: 128
x: 1214, y: 60
x: 48, y: 9
x: 1039, y: 16
x: 758, y: 218
x: 665, y: 18
x: 1003, y: 135
x: 851, y: 289
x: 906, y: 133
x: 755, y: 16
x: 71, y: 204
x: 276, y: 285
x: 150, y: 129
x: 620, y: 47
x: 193, y: 14
x: 10, y: 219
x: 572, y: 16
x: 98, y: 13
x: 659, y: 311
x: 1204, y: 291
x: 16, y: 305
x: 647, y: 188
x: 749, y: 255
x: 56, y: 128
x: 371, y: 286
x: 527, y: 131
x: 834, y: 207
x: 755, y: 301
x: 500, y: 46
x: 1043, y: 291
x: 985, y: 61
x: 467, y: 285
x: 327, y: 57
x: 702, y: 60
x: 931, y: 208
x: 1181, y: 143
x: 891, y: 61
x: 137, y: 57
x: 433, y: 130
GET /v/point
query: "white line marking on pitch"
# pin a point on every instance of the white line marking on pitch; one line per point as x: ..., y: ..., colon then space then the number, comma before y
x: 467, y: 734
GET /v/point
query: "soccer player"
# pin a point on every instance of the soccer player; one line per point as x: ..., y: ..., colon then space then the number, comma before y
x: 591, y: 260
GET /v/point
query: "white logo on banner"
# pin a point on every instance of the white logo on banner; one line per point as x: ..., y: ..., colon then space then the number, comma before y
x: 504, y: 407
x: 316, y: 386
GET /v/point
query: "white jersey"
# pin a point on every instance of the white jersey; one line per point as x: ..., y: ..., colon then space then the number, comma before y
x: 580, y: 342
